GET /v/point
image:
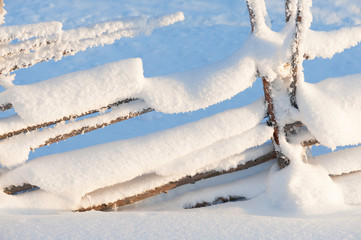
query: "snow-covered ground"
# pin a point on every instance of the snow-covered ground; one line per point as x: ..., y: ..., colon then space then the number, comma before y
x: 211, y: 31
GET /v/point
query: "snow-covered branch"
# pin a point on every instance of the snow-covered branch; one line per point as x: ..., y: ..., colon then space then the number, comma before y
x: 258, y: 16
x: 2, y: 12
x: 63, y: 43
x: 27, y: 31
x: 327, y: 44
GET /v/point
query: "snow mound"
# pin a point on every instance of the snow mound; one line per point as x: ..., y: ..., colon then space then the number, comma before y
x: 303, y: 189
x: 351, y: 187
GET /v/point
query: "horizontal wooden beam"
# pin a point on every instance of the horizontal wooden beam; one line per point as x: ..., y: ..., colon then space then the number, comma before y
x: 5, y: 106
x: 171, y: 185
x: 86, y: 129
x: 218, y: 200
x: 12, y: 190
x: 47, y: 124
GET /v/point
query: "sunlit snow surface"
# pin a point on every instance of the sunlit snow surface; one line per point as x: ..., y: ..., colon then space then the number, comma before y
x: 211, y: 31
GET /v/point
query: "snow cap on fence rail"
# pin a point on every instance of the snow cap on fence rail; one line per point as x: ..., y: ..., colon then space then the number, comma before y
x: 76, y: 93
x: 340, y: 162
x: 331, y: 110
x: 195, y: 161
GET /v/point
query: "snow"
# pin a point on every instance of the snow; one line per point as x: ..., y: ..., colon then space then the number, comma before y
x: 191, y: 163
x: 283, y: 203
x: 233, y: 161
x: 261, y: 20
x: 200, y: 88
x: 230, y: 222
x: 331, y: 110
x: 350, y: 185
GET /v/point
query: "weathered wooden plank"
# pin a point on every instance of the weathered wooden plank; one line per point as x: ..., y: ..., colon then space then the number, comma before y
x: 47, y: 124
x: 171, y: 185
x: 86, y: 129
x: 12, y: 190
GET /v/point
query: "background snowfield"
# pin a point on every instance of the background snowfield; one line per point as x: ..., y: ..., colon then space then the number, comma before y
x: 212, y: 30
